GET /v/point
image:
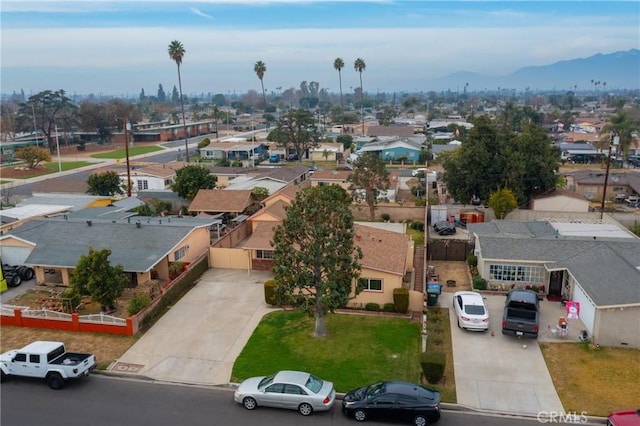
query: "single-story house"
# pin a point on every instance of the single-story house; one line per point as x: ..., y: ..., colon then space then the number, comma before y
x: 327, y: 151
x: 595, y: 264
x: 156, y: 177
x: 144, y: 246
x: 250, y: 153
x: 560, y: 200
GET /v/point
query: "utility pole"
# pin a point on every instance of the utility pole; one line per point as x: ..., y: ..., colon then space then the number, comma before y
x: 613, y: 141
x: 35, y: 129
x: 126, y: 152
x: 58, y: 147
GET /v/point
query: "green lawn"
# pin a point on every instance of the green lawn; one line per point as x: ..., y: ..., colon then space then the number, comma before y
x: 53, y: 166
x: 359, y: 349
x: 133, y: 151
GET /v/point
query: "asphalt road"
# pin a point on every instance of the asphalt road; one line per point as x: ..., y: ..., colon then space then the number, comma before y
x: 107, y: 401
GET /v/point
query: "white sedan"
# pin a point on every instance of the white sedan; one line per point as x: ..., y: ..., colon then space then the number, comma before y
x: 294, y: 390
x: 471, y: 310
x: 415, y: 172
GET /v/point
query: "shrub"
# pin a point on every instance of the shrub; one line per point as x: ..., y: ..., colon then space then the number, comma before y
x: 401, y: 300
x: 385, y: 217
x: 138, y: 303
x: 433, y: 363
x: 270, y: 294
x: 372, y: 307
x: 472, y: 260
x: 175, y: 269
x: 418, y: 226
x: 204, y: 142
x: 389, y: 307
x: 420, y: 202
x: 479, y: 283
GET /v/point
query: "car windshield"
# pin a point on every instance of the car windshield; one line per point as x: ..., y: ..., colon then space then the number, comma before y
x: 474, y: 309
x: 374, y: 389
x: 314, y: 384
x: 265, y: 382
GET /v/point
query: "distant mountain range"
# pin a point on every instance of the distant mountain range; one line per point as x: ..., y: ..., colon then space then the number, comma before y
x: 619, y: 70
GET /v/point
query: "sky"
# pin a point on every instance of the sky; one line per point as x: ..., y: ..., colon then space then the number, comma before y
x: 121, y: 47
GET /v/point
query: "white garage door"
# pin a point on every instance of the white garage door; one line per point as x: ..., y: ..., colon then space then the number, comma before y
x: 587, y: 308
x: 14, y: 255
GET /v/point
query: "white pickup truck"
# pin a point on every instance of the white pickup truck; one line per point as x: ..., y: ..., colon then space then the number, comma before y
x: 46, y: 360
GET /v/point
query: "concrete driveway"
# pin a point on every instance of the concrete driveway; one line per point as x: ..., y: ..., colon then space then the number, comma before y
x: 499, y: 373
x: 200, y: 337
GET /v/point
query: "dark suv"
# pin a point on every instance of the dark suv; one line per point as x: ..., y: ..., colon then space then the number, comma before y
x: 292, y: 157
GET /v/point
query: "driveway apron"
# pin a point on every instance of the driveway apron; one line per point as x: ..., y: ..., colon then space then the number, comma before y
x: 499, y: 373
x: 201, y: 336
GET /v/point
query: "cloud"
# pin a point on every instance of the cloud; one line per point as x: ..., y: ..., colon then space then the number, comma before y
x: 200, y: 13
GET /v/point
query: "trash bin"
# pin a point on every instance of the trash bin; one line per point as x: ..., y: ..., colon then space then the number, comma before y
x: 433, y: 291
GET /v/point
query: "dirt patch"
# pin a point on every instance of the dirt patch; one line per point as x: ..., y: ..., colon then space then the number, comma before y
x: 452, y: 271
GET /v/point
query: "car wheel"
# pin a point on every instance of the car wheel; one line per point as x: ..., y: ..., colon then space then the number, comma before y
x: 305, y: 409
x: 55, y: 381
x: 249, y: 403
x: 360, y: 415
x: 15, y: 281
x: 27, y: 273
x: 420, y: 420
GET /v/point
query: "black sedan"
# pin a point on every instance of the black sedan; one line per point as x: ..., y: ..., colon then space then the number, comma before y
x: 393, y: 401
x: 444, y: 228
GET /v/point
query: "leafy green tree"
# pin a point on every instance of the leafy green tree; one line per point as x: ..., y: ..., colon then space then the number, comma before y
x: 191, y: 179
x: 176, y: 52
x: 315, y: 259
x: 623, y: 125
x: 48, y: 109
x: 33, y: 155
x: 369, y: 177
x: 260, y: 68
x: 162, y: 96
x: 260, y: 193
x: 107, y: 183
x: 345, y: 140
x: 492, y: 158
x: 502, y: 202
x: 338, y: 64
x: 95, y: 276
x: 296, y: 129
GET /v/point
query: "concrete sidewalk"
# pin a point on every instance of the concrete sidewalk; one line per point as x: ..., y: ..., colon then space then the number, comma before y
x: 198, y: 340
x: 499, y: 373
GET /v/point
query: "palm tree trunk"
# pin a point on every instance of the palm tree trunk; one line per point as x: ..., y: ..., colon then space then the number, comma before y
x: 341, y: 103
x: 264, y: 96
x: 362, y: 102
x: 184, y: 120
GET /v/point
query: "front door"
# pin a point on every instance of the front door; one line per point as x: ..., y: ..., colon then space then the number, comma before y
x: 555, y: 283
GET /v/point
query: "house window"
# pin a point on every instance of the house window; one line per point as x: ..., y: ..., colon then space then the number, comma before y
x: 370, y: 284
x: 142, y: 185
x: 264, y: 254
x: 516, y: 273
x: 180, y: 253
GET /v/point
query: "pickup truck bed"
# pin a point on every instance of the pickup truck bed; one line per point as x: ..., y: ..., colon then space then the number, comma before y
x: 521, y: 315
x: 71, y: 358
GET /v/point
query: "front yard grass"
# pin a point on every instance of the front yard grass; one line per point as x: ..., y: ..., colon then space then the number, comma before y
x: 596, y: 380
x: 133, y: 151
x: 358, y: 350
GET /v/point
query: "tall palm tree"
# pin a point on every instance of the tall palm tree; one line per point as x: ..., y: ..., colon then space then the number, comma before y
x: 360, y: 66
x: 338, y: 64
x: 260, y: 68
x: 176, y: 52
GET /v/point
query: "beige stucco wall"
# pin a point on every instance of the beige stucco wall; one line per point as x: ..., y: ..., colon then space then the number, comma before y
x: 229, y: 258
x: 389, y: 282
x: 197, y: 243
x: 617, y: 326
x: 276, y: 197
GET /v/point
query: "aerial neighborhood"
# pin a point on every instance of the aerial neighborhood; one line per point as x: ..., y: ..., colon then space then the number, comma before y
x: 397, y: 224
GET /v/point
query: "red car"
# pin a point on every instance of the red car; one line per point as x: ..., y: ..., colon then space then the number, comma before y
x: 624, y: 418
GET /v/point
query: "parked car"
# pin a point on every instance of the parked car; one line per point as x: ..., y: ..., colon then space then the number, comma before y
x: 393, y: 401
x: 274, y: 158
x: 416, y: 172
x: 624, y: 418
x: 471, y: 310
x: 444, y: 228
x: 292, y: 157
x: 294, y: 390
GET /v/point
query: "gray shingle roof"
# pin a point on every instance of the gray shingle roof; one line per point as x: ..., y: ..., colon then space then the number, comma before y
x: 60, y: 243
x: 607, y: 269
